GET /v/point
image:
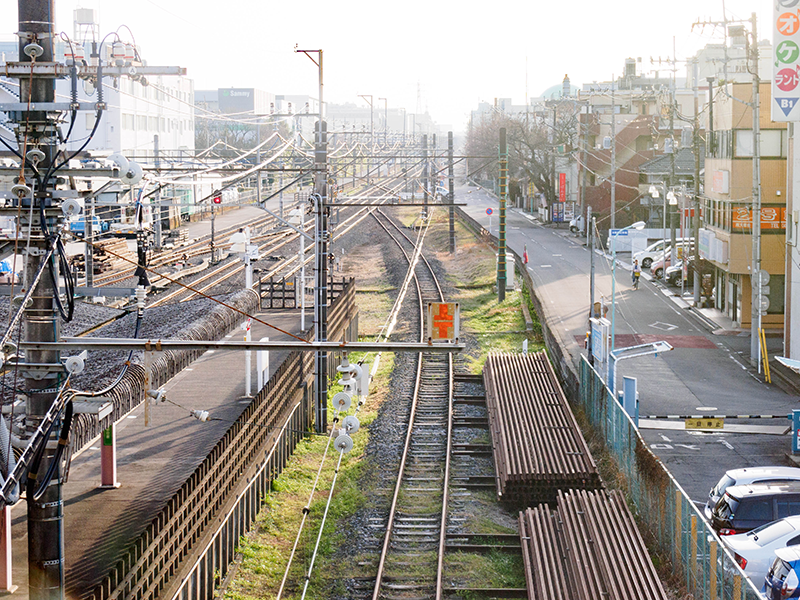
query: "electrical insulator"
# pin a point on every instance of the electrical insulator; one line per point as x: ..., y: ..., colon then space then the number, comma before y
x: 343, y: 443
x: 118, y: 53
x: 130, y: 53
x: 341, y: 401
x: 141, y: 293
x: 74, y: 54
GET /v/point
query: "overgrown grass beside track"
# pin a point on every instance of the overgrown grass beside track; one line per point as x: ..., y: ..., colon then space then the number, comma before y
x: 487, y: 326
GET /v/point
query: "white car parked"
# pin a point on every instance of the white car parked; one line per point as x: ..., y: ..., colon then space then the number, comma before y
x: 755, y: 550
x: 655, y: 250
x: 746, y: 476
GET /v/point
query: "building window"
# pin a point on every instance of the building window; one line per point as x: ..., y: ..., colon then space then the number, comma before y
x: 773, y: 143
x: 643, y: 143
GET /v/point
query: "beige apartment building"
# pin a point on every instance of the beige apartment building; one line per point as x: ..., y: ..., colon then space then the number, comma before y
x: 726, y: 238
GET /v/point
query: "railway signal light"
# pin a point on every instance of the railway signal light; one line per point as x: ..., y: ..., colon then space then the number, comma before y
x: 217, y: 199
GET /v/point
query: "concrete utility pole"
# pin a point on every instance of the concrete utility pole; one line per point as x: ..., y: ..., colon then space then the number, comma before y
x: 696, y: 203
x: 45, y: 514
x: 673, y: 257
x: 451, y: 194
x: 755, y: 270
x: 501, y: 245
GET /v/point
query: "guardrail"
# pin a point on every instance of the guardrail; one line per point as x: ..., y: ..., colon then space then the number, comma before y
x: 677, y: 526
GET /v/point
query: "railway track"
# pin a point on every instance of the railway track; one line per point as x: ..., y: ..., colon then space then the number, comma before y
x: 285, y: 267
x: 410, y: 564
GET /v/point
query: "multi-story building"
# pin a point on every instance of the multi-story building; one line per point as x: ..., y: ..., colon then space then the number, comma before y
x: 726, y: 238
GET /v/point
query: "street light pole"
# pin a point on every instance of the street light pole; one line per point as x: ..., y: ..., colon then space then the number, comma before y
x: 637, y: 225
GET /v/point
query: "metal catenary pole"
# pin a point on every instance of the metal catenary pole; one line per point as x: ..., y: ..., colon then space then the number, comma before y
x: 45, y: 515
x: 321, y: 304
x: 425, y: 171
x: 157, y: 202
x: 501, y: 245
x: 451, y: 191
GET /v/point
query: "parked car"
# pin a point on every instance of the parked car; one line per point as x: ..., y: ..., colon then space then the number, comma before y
x: 748, y: 475
x: 745, y: 507
x: 782, y: 579
x: 656, y: 249
x: 663, y: 261
x: 755, y: 550
x: 576, y: 224
x: 674, y: 275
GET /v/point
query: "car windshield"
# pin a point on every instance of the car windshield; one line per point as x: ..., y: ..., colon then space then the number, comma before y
x: 723, y: 485
x: 770, y: 532
x: 726, y: 507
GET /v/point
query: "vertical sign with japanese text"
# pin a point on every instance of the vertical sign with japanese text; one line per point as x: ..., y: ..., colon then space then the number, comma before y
x: 562, y: 187
x: 785, y: 60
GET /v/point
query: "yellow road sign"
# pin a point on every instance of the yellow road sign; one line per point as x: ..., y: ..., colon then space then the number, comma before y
x: 708, y: 423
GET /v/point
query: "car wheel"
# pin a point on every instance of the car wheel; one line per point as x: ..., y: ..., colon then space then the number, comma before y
x: 646, y: 262
x: 659, y: 273
x: 573, y: 229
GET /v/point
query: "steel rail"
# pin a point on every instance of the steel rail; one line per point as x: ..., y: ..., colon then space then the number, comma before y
x: 234, y: 267
x: 423, y: 365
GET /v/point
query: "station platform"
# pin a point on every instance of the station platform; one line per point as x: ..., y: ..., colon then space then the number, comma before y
x: 153, y: 460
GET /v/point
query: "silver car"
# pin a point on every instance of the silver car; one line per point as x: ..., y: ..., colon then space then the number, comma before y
x: 746, y: 476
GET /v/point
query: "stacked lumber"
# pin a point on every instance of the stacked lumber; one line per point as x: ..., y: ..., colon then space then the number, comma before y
x: 587, y: 548
x: 537, y: 446
x: 106, y: 255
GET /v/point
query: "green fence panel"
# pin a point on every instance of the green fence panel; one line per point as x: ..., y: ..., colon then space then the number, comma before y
x: 679, y: 530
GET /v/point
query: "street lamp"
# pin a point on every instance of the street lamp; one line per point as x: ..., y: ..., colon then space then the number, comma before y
x: 614, y: 234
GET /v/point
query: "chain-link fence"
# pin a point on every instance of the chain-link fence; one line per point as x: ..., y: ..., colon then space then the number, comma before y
x: 678, y: 529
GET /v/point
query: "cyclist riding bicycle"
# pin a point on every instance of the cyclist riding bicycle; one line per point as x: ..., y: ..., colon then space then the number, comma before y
x: 635, y: 274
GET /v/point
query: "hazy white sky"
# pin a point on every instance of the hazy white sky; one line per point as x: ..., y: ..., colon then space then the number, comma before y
x: 442, y: 56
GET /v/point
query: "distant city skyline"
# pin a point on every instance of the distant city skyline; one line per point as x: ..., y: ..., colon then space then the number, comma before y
x: 434, y: 57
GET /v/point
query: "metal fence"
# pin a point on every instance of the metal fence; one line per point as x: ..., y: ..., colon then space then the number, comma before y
x: 213, y: 565
x: 678, y: 529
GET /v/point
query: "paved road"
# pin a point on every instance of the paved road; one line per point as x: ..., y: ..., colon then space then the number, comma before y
x: 704, y: 373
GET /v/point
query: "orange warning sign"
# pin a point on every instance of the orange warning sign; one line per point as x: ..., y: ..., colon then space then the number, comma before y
x: 443, y: 320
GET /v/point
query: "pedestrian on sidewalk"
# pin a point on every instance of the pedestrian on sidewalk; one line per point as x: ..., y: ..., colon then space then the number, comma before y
x: 525, y: 254
x: 636, y: 272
